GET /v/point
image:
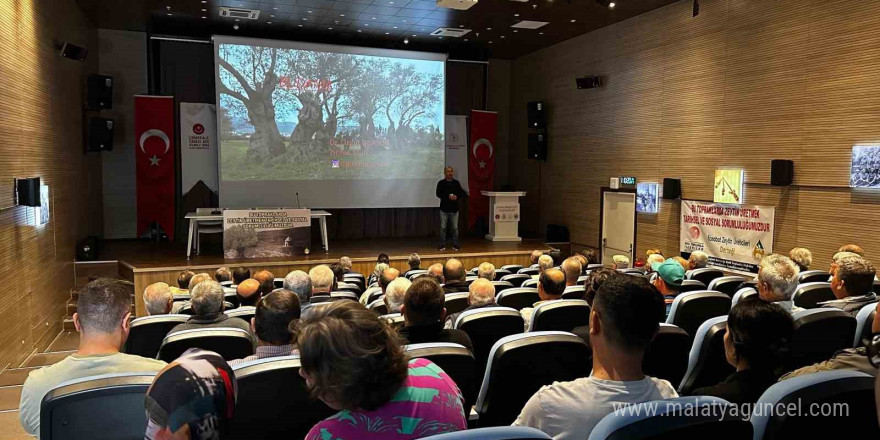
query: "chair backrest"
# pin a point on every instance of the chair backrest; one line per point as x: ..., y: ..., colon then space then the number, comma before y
x: 517, y: 298
x: 595, y: 266
x: 813, y: 276
x: 808, y: 296
x: 186, y: 308
x: 456, y: 302
x: 560, y: 315
x: 632, y: 270
x: 690, y: 310
x: 848, y: 393
x: 574, y: 292
x: 226, y: 283
x: 530, y: 283
x: 244, y: 312
x: 413, y: 273
x: 501, y: 286
x: 69, y: 410
x: 864, y: 322
x: 819, y: 333
x: 494, y: 433
x: 231, y: 343
x: 521, y: 364
x: 667, y: 355
x: 278, y: 283
x: 273, y: 401
x: 742, y: 294
x: 692, y: 285
x: 485, y: 326
x: 582, y: 279
x: 512, y: 268
x: 318, y: 299
x: 705, y: 275
x: 529, y: 271
x: 499, y: 273
x: 232, y: 298
x: 348, y: 287
x: 693, y: 417
x: 379, y: 306
x: 375, y: 293
x: 707, y: 364
x: 454, y: 359
x: 354, y: 275
x: 395, y: 319
x: 516, y: 279
x: 727, y: 285
x: 147, y: 333
x: 343, y: 295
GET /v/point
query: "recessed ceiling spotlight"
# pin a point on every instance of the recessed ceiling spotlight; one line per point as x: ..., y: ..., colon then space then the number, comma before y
x: 404, y: 21
x: 461, y: 25
x: 490, y: 42
x: 268, y: 22
x: 611, y: 5
x: 516, y: 15
x: 406, y: 41
x: 204, y: 17
x: 342, y: 15
x: 515, y: 31
x: 271, y: 16
x: 502, y: 36
x: 488, y: 29
x: 274, y: 9
x: 466, y: 39
x: 540, y: 33
x: 359, y: 30
x: 395, y: 27
x: 299, y: 25
x: 387, y: 33
x: 204, y: 1
x: 414, y: 35
x: 573, y: 20
x: 309, y: 12
x: 204, y: 10
x: 366, y: 24
x: 168, y: 14
x: 235, y: 26
x: 305, y: 19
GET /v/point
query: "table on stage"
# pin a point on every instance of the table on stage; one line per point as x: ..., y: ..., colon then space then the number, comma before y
x: 194, y: 219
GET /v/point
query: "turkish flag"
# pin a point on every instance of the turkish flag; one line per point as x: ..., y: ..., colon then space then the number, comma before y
x: 154, y: 162
x: 481, y: 162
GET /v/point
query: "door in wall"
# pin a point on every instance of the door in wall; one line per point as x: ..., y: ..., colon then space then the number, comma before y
x: 618, y: 225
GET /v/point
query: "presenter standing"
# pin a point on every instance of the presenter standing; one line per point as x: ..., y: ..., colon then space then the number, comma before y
x: 449, y: 191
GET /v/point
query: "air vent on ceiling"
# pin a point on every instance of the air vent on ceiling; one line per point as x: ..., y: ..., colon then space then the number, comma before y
x: 528, y: 24
x: 240, y: 13
x: 450, y: 32
x: 456, y: 4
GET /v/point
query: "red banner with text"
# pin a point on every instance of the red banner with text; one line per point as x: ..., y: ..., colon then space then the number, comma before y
x: 481, y: 163
x: 154, y: 162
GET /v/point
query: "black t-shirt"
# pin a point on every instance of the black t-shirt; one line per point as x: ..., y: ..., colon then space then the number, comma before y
x: 444, y: 189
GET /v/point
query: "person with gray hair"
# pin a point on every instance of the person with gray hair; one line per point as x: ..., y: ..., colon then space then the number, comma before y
x: 414, y: 261
x: 345, y: 262
x: 486, y: 271
x: 544, y: 262
x: 852, y: 284
x: 698, y: 260
x: 620, y: 261
x: 394, y: 294
x: 653, y: 258
x: 377, y: 272
x: 481, y: 294
x: 158, y: 299
x: 198, y: 278
x: 207, y: 307
x: 323, y: 280
x: 777, y: 280
x: 802, y: 257
x: 300, y: 283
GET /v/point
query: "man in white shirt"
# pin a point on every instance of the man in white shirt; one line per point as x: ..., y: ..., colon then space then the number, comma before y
x: 625, y: 316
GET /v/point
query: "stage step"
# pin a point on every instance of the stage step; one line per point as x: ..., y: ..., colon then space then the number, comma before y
x: 43, y: 359
x: 15, y: 376
x: 10, y: 428
x: 10, y: 397
x: 68, y: 325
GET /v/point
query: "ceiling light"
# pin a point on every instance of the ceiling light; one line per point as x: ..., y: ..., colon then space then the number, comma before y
x: 374, y: 18
x: 274, y: 9
x: 204, y: 1
x: 466, y: 39
x: 406, y: 41
x: 516, y: 15
x: 573, y: 20
x: 305, y: 19
x: 502, y: 36
x: 488, y: 29
x: 515, y: 31
x: 359, y: 30
x: 268, y: 22
x: 540, y: 33
x: 611, y: 5
x: 329, y: 28
x: 395, y: 27
x: 386, y: 33
x: 204, y: 16
x: 490, y: 42
x: 342, y: 15
x: 414, y: 35
x: 309, y: 12
x: 299, y: 25
x: 271, y: 16
x: 204, y: 10
x: 235, y: 26
x: 168, y: 14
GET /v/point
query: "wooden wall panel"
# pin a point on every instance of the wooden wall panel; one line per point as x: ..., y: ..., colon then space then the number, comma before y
x: 745, y: 82
x: 41, y: 120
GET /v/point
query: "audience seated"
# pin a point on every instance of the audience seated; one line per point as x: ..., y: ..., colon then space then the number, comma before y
x: 556, y: 255
x: 267, y: 281
x: 248, y: 292
x: 486, y: 271
x: 455, y: 275
x: 757, y: 345
x: 353, y: 362
x: 681, y: 262
x: 338, y: 272
x: 670, y: 275
x: 158, y: 299
x: 424, y: 314
x: 533, y: 258
x: 854, y: 248
x: 653, y: 259
x: 102, y: 317
x: 322, y: 280
x: 383, y: 258
x: 698, y: 260
x: 386, y: 277
x: 551, y: 285
x: 414, y: 262
x: 572, y: 268
x: 377, y: 271
x: 222, y: 274
x: 592, y: 256
x: 435, y: 271
x: 852, y: 284
x: 395, y: 293
x: 625, y: 317
x: 653, y: 251
x: 198, y: 278
x: 183, y: 279
x: 777, y: 280
x: 240, y: 274
x: 620, y: 261
x: 802, y: 257
x: 207, y: 306
x: 273, y: 325
x: 481, y: 294
x: 595, y: 280
x: 300, y: 283
x: 544, y: 262
x: 345, y: 262
x: 581, y: 259
x: 193, y: 398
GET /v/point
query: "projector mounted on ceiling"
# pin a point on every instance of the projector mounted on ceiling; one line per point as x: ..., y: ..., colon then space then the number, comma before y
x: 450, y: 32
x: 239, y: 13
x: 456, y: 4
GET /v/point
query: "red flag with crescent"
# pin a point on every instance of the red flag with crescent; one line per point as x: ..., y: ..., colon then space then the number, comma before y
x: 481, y: 163
x: 154, y: 162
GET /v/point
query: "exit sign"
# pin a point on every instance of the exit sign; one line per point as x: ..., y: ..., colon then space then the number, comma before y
x: 627, y: 180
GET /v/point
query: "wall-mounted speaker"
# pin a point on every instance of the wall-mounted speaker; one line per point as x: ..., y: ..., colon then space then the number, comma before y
x: 538, y: 146
x: 588, y: 82
x: 781, y: 172
x: 100, y: 137
x: 27, y: 191
x: 74, y: 52
x: 671, y: 188
x: 536, y: 114
x: 100, y: 92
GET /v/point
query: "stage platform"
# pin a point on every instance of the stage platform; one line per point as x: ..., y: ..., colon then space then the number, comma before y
x: 144, y: 262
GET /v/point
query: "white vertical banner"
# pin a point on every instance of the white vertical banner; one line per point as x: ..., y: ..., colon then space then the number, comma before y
x: 457, y: 148
x: 198, y: 146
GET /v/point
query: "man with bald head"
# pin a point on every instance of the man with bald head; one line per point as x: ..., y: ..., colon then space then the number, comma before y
x: 386, y: 277
x: 551, y: 285
x: 481, y: 293
x: 455, y: 275
x: 533, y: 258
x: 435, y: 271
x: 854, y: 248
x: 572, y: 269
x: 266, y: 280
x: 158, y: 299
x: 449, y: 191
x: 323, y: 281
x: 199, y: 278
x: 248, y: 292
x: 300, y: 283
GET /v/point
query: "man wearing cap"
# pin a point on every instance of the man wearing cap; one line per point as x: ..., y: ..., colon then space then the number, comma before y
x: 668, y: 281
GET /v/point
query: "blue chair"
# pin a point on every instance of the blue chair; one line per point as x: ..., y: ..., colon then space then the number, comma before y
x: 727, y: 285
x: 707, y: 364
x: 692, y: 286
x: 679, y: 418
x: 690, y: 310
x: 560, y: 315
x: 864, y: 322
x: 455, y: 360
x: 574, y: 292
x: 742, y: 294
x: 494, y: 433
x: 813, y: 276
x: 810, y: 295
x: 705, y: 275
x: 819, y: 333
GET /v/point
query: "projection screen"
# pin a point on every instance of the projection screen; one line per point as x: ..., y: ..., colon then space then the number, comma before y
x: 345, y: 127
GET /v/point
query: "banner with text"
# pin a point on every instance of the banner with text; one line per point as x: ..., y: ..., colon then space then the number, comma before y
x: 198, y: 146
x: 258, y: 233
x: 457, y: 148
x: 735, y: 237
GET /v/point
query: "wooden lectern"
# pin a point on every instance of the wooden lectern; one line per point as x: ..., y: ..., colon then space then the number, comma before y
x: 504, y: 211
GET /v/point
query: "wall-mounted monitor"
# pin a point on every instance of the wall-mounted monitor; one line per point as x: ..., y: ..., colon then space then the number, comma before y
x: 729, y: 184
x: 648, y: 197
x: 864, y: 171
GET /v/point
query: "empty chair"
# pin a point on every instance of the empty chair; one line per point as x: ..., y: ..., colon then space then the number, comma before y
x: 742, y: 294
x: 278, y: 283
x: 521, y: 364
x: 693, y: 417
x: 412, y: 274
x: 518, y: 298
x: 516, y: 279
x: 574, y: 292
x: 244, y: 312
x: 395, y: 319
x: 529, y: 283
x: 667, y: 355
x: 231, y: 343
x: 273, y: 401
x: 560, y: 315
x: 147, y: 333
x: 529, y: 271
x: 864, y: 322
x: 512, y: 268
x: 808, y: 296
x: 705, y: 275
x: 501, y: 286
x: 819, y: 333
x: 499, y: 273
x: 692, y: 309
x: 843, y: 402
x: 98, y: 407
x: 378, y: 306
x: 692, y: 285
x: 494, y: 433
x: 707, y: 363
x: 727, y: 285
x: 455, y: 360
x: 485, y: 327
x: 456, y: 302
x: 813, y: 276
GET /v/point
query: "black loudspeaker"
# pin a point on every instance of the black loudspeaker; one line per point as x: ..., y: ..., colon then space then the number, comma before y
x: 74, y: 52
x: 671, y: 188
x: 87, y: 249
x: 588, y: 82
x: 557, y: 233
x: 100, y: 93
x: 100, y: 135
x: 781, y: 172
x: 27, y: 191
x: 536, y: 114
x: 538, y: 146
